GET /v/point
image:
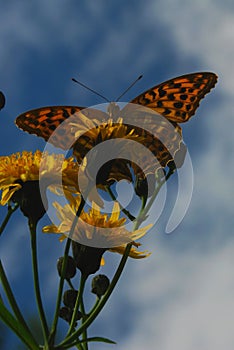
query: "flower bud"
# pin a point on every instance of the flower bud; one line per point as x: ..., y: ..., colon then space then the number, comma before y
x: 2, y: 100
x: 88, y: 259
x: 70, y: 268
x: 65, y: 313
x: 69, y: 298
x: 100, y: 284
x: 29, y: 199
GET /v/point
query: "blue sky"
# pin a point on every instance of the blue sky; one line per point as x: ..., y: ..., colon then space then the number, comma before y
x: 182, y: 296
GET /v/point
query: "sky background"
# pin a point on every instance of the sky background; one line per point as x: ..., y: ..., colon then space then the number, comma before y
x: 182, y: 296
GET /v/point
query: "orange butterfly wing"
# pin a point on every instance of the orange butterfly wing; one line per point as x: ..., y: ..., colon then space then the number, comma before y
x: 177, y: 99
x: 43, y: 121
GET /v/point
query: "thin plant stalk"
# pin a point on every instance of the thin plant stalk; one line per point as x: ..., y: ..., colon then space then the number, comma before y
x: 85, y: 333
x: 77, y: 304
x: 125, y: 211
x: 17, y: 328
x: 12, y: 301
x: 62, y: 277
x: 71, y: 338
x: 10, y: 211
x: 36, y: 282
x: 146, y: 207
x: 59, y: 294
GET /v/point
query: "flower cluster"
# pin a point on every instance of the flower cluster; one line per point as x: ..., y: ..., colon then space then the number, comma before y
x: 139, y: 146
x: 20, y: 175
x: 89, y: 231
x: 18, y: 169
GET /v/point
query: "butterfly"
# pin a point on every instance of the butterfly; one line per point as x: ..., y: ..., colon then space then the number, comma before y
x: 176, y: 99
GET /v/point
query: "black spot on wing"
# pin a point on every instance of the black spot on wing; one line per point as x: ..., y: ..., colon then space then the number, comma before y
x: 171, y: 97
x: 178, y: 104
x: 161, y: 92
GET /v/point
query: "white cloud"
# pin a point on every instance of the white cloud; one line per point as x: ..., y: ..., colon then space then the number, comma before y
x: 185, y: 300
x: 203, y: 30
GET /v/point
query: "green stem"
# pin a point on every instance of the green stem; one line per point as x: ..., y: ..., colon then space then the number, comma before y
x: 45, y: 330
x: 70, y: 284
x: 125, y: 211
x: 77, y: 304
x: 17, y: 327
x: 61, y: 282
x: 13, y: 303
x: 170, y: 172
x: 94, y: 306
x: 84, y: 334
x: 102, y: 302
x: 145, y: 208
x: 79, y: 346
x: 10, y: 211
x: 60, y: 292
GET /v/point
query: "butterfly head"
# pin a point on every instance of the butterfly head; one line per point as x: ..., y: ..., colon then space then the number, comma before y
x: 113, y: 110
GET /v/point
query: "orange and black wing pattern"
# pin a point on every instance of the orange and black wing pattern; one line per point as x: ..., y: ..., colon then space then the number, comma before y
x: 43, y: 121
x: 177, y: 99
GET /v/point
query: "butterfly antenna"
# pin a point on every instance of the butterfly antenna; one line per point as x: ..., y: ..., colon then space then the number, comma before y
x: 135, y: 81
x: 88, y: 88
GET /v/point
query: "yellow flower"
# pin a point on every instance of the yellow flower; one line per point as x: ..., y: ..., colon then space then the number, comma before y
x: 96, y: 229
x: 114, y: 169
x: 17, y: 169
x: 161, y: 138
x: 25, y: 177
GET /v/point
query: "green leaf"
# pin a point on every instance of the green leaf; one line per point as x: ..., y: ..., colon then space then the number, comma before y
x: 89, y: 340
x: 16, y: 327
x: 96, y: 339
x: 11, y: 299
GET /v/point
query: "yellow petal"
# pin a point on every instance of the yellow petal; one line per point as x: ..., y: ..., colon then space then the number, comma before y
x: 50, y: 229
x: 134, y: 253
x: 8, y: 193
x: 115, y: 212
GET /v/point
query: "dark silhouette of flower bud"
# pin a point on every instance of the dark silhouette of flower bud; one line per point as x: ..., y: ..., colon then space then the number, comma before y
x: 70, y: 267
x: 29, y: 199
x: 65, y: 313
x: 2, y: 100
x: 88, y: 259
x: 100, y: 284
x: 69, y: 298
